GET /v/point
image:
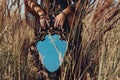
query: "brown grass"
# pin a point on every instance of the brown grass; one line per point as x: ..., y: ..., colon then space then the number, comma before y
x: 93, y: 52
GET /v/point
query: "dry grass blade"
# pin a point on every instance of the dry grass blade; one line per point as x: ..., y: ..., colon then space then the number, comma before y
x: 94, y: 43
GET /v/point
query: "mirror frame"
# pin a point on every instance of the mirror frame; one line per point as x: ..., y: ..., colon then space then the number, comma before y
x: 37, y: 60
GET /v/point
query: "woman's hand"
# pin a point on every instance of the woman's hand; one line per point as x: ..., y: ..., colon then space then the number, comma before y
x: 59, y: 20
x: 44, y: 21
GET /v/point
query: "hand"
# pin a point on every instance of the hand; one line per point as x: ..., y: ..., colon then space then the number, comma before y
x: 44, y: 22
x: 59, y: 20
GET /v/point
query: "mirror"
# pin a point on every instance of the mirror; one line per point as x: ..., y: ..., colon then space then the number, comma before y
x: 52, y: 51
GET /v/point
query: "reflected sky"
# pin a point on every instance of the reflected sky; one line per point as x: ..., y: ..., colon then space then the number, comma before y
x: 52, y: 51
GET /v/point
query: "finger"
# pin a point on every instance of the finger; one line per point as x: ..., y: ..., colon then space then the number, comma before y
x: 55, y: 25
x: 54, y: 22
x: 48, y: 18
x: 62, y: 27
x: 47, y: 22
x: 61, y: 24
x: 43, y: 25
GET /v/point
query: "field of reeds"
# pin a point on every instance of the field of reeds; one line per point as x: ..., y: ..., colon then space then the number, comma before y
x: 94, y: 43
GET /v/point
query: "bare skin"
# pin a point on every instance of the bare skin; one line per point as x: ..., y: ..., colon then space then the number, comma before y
x: 44, y: 19
x: 60, y: 18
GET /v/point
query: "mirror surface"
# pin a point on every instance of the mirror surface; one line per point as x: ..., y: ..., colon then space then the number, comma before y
x: 52, y: 51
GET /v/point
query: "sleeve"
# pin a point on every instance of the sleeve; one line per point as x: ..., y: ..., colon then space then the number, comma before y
x: 33, y: 7
x: 71, y: 3
x: 63, y: 4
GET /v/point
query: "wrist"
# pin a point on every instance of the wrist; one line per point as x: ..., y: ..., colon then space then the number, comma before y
x: 63, y: 13
x: 41, y: 13
x: 67, y: 11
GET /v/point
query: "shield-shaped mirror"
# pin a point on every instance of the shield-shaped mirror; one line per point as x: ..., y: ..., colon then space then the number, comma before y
x: 52, y: 51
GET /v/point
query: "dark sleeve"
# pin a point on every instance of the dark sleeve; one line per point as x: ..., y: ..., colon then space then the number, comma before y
x: 63, y: 4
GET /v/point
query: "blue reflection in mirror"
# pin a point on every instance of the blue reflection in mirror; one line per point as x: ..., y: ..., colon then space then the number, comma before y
x: 52, y: 51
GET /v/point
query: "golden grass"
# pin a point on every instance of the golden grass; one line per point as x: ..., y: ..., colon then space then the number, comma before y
x: 93, y: 53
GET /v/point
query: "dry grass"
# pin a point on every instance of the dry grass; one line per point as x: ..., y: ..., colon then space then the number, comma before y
x: 90, y: 58
x: 14, y: 33
x: 93, y: 52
